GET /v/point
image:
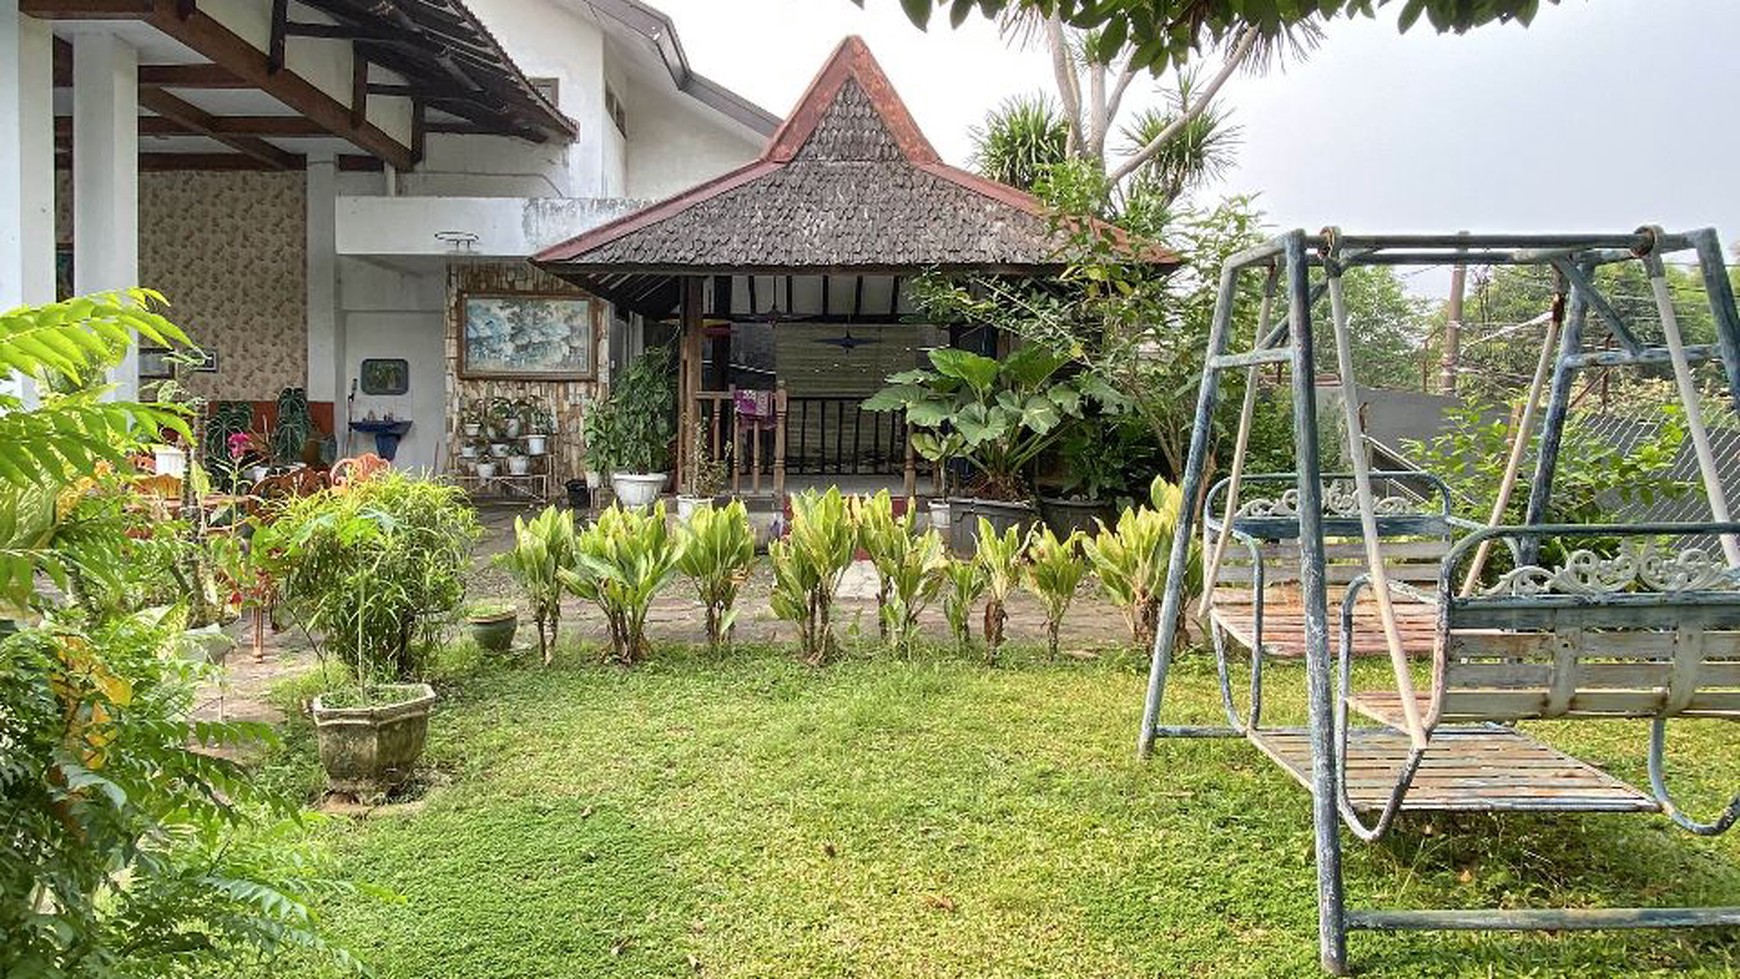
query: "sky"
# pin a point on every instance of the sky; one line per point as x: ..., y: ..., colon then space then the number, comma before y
x: 1601, y: 116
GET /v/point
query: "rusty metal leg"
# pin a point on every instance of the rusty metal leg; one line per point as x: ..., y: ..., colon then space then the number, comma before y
x: 1166, y: 636
x: 1325, y: 816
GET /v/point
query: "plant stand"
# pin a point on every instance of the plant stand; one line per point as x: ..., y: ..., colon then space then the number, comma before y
x: 531, y: 487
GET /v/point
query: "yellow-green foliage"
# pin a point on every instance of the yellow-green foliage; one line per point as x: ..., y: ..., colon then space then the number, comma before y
x: 885, y: 538
x: 1052, y: 573
x: 542, y: 548
x: 915, y: 567
x: 966, y: 583
x: 808, y: 565
x: 718, y: 551
x: 999, y: 558
x: 1130, y: 559
x: 622, y: 561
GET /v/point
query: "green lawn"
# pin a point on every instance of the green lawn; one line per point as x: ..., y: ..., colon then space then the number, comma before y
x: 749, y: 816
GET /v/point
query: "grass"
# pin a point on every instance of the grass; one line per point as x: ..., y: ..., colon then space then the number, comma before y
x: 749, y: 816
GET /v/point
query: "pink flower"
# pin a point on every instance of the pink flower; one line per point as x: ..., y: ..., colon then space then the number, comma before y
x: 239, y: 443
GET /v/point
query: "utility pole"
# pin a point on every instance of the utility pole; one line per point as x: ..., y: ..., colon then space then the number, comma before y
x: 1450, y: 362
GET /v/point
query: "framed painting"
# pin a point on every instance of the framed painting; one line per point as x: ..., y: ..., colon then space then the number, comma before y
x: 526, y: 335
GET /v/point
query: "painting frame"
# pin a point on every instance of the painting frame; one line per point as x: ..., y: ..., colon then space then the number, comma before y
x: 557, y: 306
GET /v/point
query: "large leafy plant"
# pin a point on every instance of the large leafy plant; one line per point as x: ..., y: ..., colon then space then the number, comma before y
x: 631, y: 431
x: 625, y: 558
x: 999, y: 415
x: 542, y: 547
x: 718, y: 551
x: 807, y: 567
x: 361, y: 565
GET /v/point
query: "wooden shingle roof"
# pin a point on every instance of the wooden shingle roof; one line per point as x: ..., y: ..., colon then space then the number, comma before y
x: 848, y: 183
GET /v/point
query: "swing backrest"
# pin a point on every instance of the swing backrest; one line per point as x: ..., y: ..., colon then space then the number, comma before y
x: 1642, y: 634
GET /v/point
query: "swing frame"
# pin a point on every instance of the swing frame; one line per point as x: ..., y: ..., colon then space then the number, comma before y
x: 1289, y: 262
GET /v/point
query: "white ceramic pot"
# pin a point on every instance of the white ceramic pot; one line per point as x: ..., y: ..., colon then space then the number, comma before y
x: 471, y: 429
x: 637, y: 489
x: 513, y: 428
x: 594, y: 479
x: 535, y: 444
x: 687, y: 505
x: 170, y: 461
x: 468, y: 452
x: 486, y: 470
x: 500, y: 450
x: 257, y: 473
x: 518, y: 465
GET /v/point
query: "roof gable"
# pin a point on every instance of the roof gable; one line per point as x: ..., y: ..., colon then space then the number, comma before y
x: 847, y: 95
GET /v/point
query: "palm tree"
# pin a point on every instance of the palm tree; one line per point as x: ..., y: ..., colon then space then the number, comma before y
x: 1020, y: 140
x: 1199, y: 149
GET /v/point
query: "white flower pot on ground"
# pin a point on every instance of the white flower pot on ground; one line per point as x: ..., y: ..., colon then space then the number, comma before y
x: 518, y: 465
x: 536, y: 444
x: 687, y: 505
x: 637, y: 489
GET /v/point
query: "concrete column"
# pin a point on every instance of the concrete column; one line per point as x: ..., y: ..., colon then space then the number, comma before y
x: 26, y: 168
x: 326, y: 380
x: 26, y: 159
x: 106, y: 175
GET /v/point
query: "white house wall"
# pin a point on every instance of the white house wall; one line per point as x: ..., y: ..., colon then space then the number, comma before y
x: 675, y: 142
x: 503, y: 226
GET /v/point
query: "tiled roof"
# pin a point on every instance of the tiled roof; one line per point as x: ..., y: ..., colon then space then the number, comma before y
x: 847, y: 184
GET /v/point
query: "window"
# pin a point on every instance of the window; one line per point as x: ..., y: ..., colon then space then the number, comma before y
x: 613, y: 108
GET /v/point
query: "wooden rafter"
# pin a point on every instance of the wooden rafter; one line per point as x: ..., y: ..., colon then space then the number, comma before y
x: 205, y: 124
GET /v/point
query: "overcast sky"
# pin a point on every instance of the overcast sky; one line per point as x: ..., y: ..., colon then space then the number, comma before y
x: 1604, y: 115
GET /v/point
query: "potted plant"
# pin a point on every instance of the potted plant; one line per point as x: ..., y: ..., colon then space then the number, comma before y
x: 1098, y: 455
x: 634, y: 427
x: 703, y: 476
x: 519, y: 464
x: 360, y: 566
x: 593, y: 436
x: 998, y: 415
x: 485, y: 467
x: 538, y: 424
x: 493, y: 625
x: 468, y: 451
x: 501, y: 449
x: 472, y: 416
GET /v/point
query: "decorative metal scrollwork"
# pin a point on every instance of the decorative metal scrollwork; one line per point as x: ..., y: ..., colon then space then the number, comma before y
x: 1340, y: 499
x: 1640, y: 568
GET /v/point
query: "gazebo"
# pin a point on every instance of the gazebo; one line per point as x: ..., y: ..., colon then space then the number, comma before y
x: 848, y: 202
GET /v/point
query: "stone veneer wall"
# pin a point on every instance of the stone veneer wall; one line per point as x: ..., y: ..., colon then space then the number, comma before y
x: 565, y: 398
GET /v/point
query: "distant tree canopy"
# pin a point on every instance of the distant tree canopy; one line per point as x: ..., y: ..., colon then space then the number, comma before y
x: 1167, y: 33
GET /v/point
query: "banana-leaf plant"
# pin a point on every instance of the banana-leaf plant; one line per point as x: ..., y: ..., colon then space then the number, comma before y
x: 542, y: 548
x: 998, y: 415
x: 718, y: 551
x: 807, y: 567
x: 1052, y: 573
x: 621, y: 562
x: 999, y: 557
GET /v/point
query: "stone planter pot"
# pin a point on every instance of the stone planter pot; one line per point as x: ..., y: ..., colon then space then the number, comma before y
x: 368, y: 751
x: 637, y: 489
x: 1067, y: 516
x: 964, y: 517
x: 494, y: 632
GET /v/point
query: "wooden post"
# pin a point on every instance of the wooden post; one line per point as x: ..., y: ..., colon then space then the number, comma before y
x: 736, y: 444
x: 689, y: 369
x: 779, y: 403
x: 910, y: 483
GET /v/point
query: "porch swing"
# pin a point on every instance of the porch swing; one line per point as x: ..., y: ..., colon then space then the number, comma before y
x: 1621, y: 627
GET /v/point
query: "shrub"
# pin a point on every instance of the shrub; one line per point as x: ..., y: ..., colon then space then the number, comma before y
x: 1131, y: 559
x: 885, y: 538
x: 361, y: 565
x: 915, y: 568
x: 966, y: 583
x: 623, y: 560
x: 807, y: 567
x: 1052, y: 573
x: 718, y: 551
x: 542, y: 548
x: 999, y: 559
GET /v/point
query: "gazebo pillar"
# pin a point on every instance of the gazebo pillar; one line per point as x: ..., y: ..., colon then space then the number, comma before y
x: 106, y: 176
x: 688, y: 372
x: 26, y: 167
